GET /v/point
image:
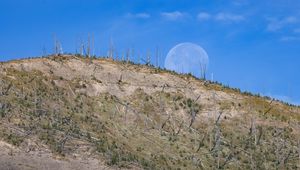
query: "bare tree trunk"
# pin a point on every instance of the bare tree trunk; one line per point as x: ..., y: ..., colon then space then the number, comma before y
x: 122, y: 57
x: 128, y: 56
x: 203, y: 70
x: 81, y: 47
x: 132, y: 53
x: 111, y: 49
x: 253, y: 130
x: 55, y: 46
x: 60, y: 48
x: 157, y: 56
x: 93, y: 45
x: 148, y: 58
x: 139, y: 58
x: 217, y: 142
x: 89, y: 47
x: 44, y: 51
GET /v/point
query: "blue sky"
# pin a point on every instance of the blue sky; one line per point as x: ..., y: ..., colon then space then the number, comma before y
x: 252, y: 44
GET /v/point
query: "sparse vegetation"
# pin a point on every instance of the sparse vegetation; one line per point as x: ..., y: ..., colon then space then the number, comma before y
x: 139, y: 120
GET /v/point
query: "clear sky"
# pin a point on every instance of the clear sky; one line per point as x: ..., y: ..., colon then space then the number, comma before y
x: 252, y: 44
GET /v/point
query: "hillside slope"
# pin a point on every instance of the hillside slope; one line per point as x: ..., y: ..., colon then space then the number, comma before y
x: 68, y: 112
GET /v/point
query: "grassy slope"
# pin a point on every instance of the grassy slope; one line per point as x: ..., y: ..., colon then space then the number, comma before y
x: 146, y: 130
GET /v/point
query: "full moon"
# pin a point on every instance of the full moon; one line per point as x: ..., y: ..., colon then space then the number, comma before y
x: 187, y: 58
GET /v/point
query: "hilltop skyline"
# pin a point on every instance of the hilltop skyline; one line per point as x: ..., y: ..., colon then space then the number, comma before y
x: 252, y: 45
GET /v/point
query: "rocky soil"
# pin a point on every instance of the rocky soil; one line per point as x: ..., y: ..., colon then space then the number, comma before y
x: 70, y: 112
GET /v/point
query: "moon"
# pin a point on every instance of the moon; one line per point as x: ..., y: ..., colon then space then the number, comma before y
x: 187, y: 58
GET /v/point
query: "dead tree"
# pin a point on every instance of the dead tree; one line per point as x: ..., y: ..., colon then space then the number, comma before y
x: 132, y: 53
x: 93, y: 45
x: 162, y: 107
x: 55, y: 46
x: 81, y: 47
x: 128, y: 56
x: 139, y: 58
x: 60, y: 49
x: 269, y: 107
x: 89, y: 46
x: 193, y: 116
x: 193, y: 112
x: 147, y: 63
x: 253, y: 130
x: 122, y: 56
x: 165, y: 122
x: 5, y: 92
x: 148, y: 58
x: 111, y: 49
x: 44, y: 51
x: 260, y: 131
x: 157, y: 57
x: 217, y: 141
x: 203, y: 70
x: 201, y: 142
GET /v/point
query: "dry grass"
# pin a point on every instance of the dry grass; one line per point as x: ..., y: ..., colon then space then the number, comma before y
x: 134, y: 116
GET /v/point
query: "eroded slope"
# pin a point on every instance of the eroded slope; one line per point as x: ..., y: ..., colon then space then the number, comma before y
x: 134, y: 116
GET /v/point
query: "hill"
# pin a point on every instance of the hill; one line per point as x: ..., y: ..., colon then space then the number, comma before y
x: 70, y: 112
